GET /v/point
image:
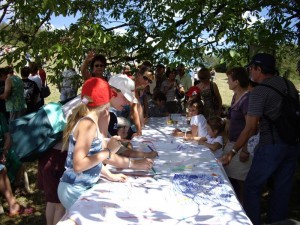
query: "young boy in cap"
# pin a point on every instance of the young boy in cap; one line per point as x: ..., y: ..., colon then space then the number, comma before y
x: 123, y: 90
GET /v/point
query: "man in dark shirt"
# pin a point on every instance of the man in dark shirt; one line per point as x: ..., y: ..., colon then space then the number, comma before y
x: 31, y: 91
x: 273, y: 157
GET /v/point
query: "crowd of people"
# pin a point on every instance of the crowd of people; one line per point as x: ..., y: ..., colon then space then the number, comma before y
x: 109, y: 112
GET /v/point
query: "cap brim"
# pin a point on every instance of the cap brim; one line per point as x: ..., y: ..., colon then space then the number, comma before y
x: 130, y: 97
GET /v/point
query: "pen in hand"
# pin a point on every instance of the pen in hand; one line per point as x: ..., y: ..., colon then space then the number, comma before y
x: 154, y: 171
x: 152, y: 150
x: 157, y: 155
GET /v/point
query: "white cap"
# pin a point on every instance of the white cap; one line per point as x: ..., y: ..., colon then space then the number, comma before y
x: 125, y: 85
x: 123, y: 122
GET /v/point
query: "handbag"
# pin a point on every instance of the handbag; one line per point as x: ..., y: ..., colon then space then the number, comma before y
x: 48, y: 124
x: 45, y: 92
x: 214, y: 97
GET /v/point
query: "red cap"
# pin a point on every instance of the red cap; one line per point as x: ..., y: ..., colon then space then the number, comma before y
x: 194, y: 90
x: 97, y: 91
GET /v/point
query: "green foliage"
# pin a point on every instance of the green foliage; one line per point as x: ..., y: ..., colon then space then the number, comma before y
x: 166, y: 31
x: 287, y: 58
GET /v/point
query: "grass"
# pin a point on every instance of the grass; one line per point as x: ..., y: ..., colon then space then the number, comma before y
x: 36, y: 199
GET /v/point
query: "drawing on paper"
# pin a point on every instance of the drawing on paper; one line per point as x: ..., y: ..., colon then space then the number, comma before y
x: 204, y: 189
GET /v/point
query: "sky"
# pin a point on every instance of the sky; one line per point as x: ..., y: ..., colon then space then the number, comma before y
x: 59, y: 22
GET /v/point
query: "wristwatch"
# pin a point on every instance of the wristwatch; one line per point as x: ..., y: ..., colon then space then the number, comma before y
x: 234, y: 151
x: 109, y: 153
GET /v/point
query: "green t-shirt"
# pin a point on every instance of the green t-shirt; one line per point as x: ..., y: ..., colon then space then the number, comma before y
x: 16, y: 101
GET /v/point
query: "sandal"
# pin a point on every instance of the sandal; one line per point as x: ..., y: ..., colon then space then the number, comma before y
x: 23, y: 211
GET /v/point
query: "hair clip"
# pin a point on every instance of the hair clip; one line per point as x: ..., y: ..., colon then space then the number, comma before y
x: 85, y: 100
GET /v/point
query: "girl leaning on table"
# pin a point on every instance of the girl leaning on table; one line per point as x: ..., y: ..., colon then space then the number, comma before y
x: 86, y: 149
x: 214, y: 139
x: 197, y: 122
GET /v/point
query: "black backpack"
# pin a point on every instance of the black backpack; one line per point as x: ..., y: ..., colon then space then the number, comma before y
x: 288, y: 122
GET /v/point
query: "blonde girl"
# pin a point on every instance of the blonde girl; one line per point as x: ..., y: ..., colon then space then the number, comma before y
x: 86, y: 149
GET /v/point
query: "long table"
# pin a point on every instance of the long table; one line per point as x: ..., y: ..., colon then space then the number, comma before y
x: 186, y: 186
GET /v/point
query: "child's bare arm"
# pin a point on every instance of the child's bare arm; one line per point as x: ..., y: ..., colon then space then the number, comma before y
x: 113, y: 177
x: 213, y: 147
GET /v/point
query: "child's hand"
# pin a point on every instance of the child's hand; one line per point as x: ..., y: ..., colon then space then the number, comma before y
x: 151, y: 155
x: 142, y: 164
x: 118, y: 177
x: 186, y: 138
x: 202, y: 140
x: 176, y: 132
x: 138, y: 133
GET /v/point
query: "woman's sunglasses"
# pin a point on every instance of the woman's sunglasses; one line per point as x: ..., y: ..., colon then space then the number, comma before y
x: 99, y: 65
x: 147, y: 79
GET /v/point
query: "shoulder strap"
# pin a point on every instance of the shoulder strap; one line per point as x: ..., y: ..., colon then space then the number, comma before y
x: 271, y: 122
x: 275, y: 89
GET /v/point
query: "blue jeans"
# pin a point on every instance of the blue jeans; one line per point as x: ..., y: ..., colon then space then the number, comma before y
x: 280, y: 162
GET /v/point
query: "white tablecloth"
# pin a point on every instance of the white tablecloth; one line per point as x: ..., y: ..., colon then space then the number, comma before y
x: 187, y: 186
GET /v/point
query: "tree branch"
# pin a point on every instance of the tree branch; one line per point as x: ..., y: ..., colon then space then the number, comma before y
x: 116, y: 27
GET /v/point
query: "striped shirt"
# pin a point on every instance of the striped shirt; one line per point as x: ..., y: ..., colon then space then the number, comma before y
x: 265, y: 101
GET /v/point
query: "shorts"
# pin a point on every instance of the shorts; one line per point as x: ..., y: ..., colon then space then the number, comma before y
x: 69, y: 193
x: 236, y: 169
x: 50, y: 169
